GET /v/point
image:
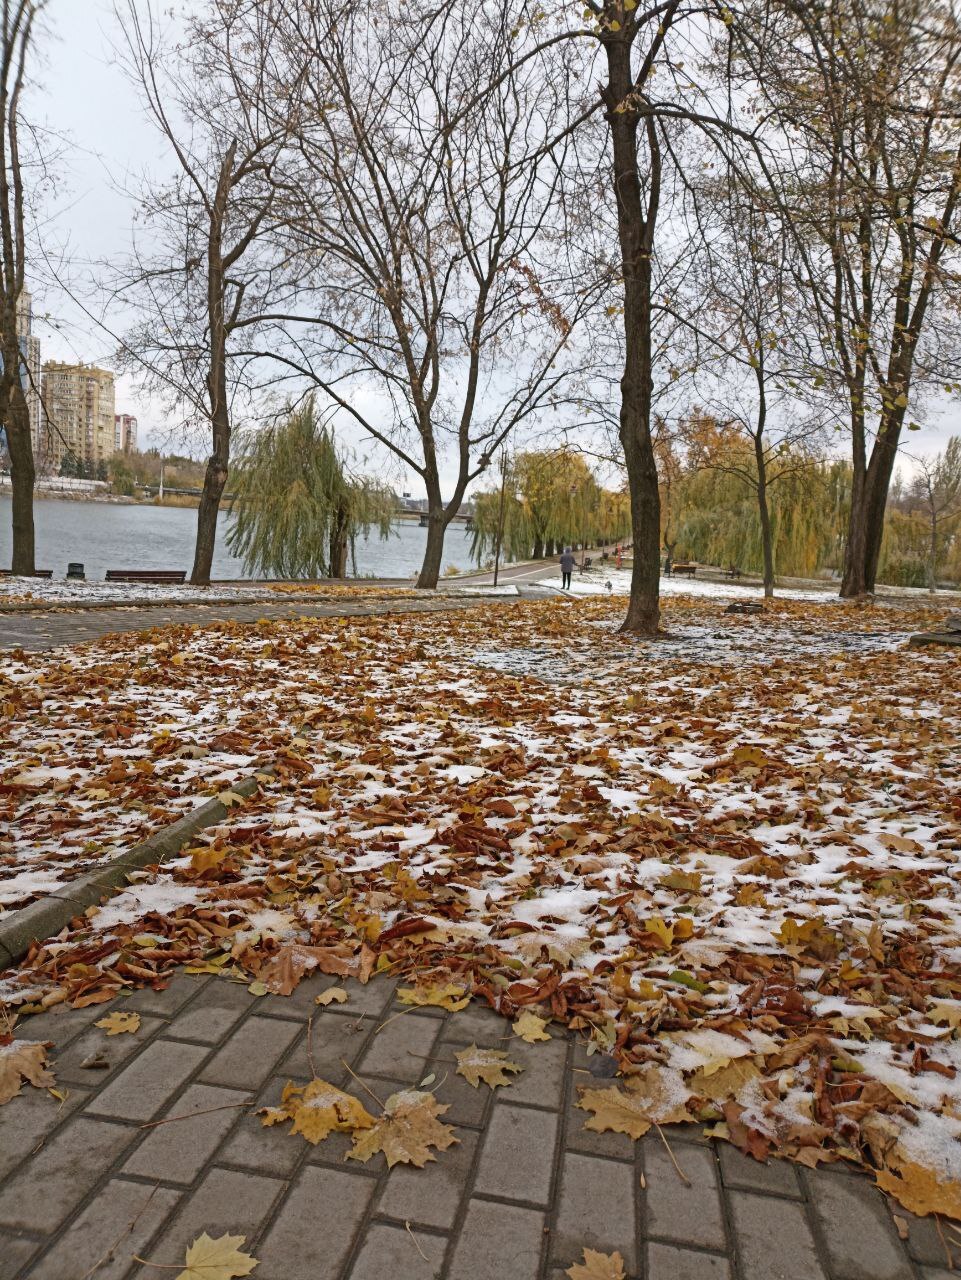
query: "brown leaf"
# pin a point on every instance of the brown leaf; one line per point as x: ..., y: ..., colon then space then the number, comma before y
x: 406, y: 1131
x: 489, y: 1065
x: 22, y: 1060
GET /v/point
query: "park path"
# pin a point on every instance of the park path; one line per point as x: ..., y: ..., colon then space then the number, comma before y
x: 41, y: 629
x: 90, y: 1183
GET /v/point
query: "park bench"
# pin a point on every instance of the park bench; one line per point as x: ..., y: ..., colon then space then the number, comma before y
x: 732, y: 572
x: 160, y: 576
x: 688, y: 570
x: 585, y: 564
x: 37, y: 573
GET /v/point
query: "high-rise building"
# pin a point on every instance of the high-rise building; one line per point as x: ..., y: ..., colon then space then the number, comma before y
x: 30, y: 373
x: 124, y: 433
x: 78, y: 414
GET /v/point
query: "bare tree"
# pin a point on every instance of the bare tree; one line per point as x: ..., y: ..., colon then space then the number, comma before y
x: 866, y: 170
x: 17, y: 25
x: 209, y: 267
x: 427, y: 208
x: 937, y: 490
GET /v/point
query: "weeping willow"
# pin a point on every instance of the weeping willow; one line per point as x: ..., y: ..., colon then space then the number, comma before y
x: 551, y: 499
x: 296, y: 511
x: 717, y: 519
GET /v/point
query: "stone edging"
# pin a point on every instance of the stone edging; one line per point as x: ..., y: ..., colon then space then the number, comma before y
x: 49, y: 914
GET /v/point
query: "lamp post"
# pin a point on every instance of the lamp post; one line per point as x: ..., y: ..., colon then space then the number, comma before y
x: 500, y: 516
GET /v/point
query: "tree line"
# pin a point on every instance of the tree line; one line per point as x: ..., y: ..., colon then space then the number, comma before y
x: 454, y: 225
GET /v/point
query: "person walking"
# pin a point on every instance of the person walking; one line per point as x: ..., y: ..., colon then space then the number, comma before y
x: 567, y: 568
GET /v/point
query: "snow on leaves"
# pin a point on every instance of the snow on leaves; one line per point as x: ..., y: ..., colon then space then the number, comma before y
x: 22, y: 1060
x: 737, y: 878
x: 489, y: 1065
x: 406, y: 1132
x: 318, y: 1109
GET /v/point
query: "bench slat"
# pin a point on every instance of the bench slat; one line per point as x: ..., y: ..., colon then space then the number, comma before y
x: 145, y: 575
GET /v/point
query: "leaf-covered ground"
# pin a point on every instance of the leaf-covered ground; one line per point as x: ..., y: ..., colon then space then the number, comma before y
x: 729, y: 860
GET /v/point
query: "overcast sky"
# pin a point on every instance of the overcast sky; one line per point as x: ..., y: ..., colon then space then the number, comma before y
x: 81, y: 93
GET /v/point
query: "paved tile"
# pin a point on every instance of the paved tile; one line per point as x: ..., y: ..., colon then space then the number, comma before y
x: 102, y: 1241
x: 774, y: 1239
x: 668, y: 1262
x: 53, y: 1182
x: 312, y: 1235
x: 684, y: 1214
x: 868, y: 1247
x: 544, y: 1078
x: 479, y: 1024
x: 517, y: 1157
x: 334, y: 1040
x: 430, y: 1196
x: 210, y: 1019
x: 14, y: 1252
x: 246, y: 1059
x: 614, y: 1146
x: 595, y: 1208
x: 225, y: 1202
x: 265, y: 1149
x: 498, y: 1242
x: 30, y: 1117
x: 178, y: 1150
x: 95, y: 1043
x: 398, y: 1254
x: 400, y: 1049
x: 167, y: 1002
x: 777, y: 1177
x: 149, y: 1082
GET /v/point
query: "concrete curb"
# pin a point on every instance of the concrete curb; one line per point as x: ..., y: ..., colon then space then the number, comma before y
x: 48, y: 915
x: 80, y: 606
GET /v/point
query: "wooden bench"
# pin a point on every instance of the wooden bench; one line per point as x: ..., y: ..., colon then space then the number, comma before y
x: 732, y: 572
x: 684, y: 570
x: 160, y: 576
x: 37, y: 573
x: 585, y: 564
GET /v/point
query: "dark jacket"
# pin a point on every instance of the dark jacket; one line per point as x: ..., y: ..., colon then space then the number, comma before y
x: 567, y: 562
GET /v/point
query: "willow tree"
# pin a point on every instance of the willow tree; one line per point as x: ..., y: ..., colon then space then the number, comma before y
x: 297, y: 510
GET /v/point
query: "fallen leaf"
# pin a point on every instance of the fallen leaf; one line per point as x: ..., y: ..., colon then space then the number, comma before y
x: 220, y: 1259
x: 333, y: 995
x: 116, y: 1024
x: 406, y: 1131
x: 653, y: 1097
x: 597, y: 1266
x: 920, y: 1189
x: 489, y: 1065
x: 317, y: 1109
x: 22, y: 1060
x: 530, y: 1027
x: 443, y: 996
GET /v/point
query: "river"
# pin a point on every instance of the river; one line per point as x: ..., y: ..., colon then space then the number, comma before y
x: 106, y: 535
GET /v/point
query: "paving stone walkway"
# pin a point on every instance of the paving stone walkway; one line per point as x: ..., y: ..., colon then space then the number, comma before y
x: 40, y: 630
x: 92, y: 1189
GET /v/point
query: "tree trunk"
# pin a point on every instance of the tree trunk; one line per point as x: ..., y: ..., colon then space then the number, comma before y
x: 538, y: 553
x: 216, y: 475
x: 215, y: 478
x: 635, y: 226
x: 933, y: 557
x: 853, y: 580
x: 22, y: 475
x: 338, y: 547
x: 433, y: 553
x: 764, y: 514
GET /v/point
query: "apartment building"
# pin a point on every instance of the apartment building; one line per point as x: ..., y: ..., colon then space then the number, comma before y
x: 78, y: 414
x: 124, y: 433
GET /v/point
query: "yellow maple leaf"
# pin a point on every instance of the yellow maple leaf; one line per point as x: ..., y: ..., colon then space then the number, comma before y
x: 644, y: 1101
x: 116, y: 1024
x: 920, y: 1189
x: 318, y: 1109
x: 725, y: 1081
x: 205, y: 859
x: 530, y: 1027
x: 22, y: 1060
x: 946, y: 1011
x: 597, y: 1266
x: 445, y: 995
x: 406, y: 1131
x: 220, y: 1259
x: 333, y: 995
x: 489, y: 1065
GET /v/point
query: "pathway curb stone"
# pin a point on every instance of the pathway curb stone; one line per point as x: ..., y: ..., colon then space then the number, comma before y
x: 49, y: 914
